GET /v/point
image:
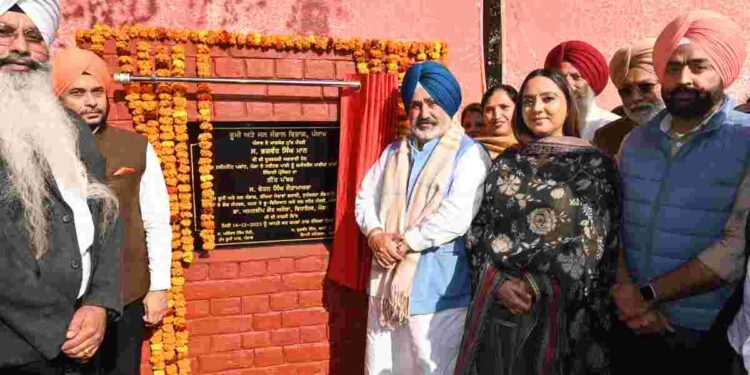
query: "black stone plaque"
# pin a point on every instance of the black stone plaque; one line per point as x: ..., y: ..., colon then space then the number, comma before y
x: 274, y: 182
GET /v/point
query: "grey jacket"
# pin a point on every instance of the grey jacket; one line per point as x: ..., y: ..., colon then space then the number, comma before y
x: 38, y: 297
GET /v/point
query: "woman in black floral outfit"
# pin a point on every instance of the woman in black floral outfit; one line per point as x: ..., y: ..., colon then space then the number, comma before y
x: 543, y: 246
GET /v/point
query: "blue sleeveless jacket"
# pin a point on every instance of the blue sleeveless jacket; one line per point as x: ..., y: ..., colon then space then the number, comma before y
x: 441, y: 281
x: 676, y: 206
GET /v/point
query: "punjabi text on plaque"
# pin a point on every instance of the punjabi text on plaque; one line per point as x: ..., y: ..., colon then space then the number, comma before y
x: 274, y: 184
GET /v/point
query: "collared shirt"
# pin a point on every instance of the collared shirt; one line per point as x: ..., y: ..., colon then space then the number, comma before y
x: 595, y: 119
x: 725, y: 257
x: 155, y: 213
x: 677, y: 140
x: 154, y: 201
x: 452, y: 218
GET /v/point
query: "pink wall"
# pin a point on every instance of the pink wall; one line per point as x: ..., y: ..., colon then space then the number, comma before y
x: 458, y: 23
x: 533, y: 27
x: 530, y: 27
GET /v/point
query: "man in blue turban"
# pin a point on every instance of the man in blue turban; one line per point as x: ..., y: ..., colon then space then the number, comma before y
x: 414, y: 206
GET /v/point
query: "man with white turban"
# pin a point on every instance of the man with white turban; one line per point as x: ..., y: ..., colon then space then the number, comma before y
x: 632, y: 72
x: 415, y: 205
x: 59, y: 225
x: 686, y: 195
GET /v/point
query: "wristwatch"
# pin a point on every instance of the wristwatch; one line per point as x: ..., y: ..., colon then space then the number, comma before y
x: 648, y: 293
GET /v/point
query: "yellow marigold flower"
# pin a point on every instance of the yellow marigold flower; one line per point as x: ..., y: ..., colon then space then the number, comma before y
x: 362, y: 68
x: 178, y: 281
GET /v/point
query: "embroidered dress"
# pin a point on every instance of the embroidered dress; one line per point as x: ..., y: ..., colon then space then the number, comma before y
x: 550, y: 215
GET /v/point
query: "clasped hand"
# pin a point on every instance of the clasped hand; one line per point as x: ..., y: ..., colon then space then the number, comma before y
x: 636, y: 313
x: 515, y: 294
x: 387, y: 248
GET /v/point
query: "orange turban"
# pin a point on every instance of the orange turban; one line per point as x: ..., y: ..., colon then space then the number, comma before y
x: 639, y: 55
x: 69, y: 64
x: 714, y: 33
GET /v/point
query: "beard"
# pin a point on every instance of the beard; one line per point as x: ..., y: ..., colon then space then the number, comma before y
x: 643, y: 112
x: 687, y: 102
x: 39, y: 145
x: 425, y: 134
x: 585, y: 98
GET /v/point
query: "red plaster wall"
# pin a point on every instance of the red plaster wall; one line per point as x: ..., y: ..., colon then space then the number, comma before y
x: 457, y: 22
x: 268, y: 310
x: 532, y: 27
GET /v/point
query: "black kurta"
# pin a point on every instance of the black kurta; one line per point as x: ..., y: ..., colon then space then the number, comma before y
x: 550, y: 212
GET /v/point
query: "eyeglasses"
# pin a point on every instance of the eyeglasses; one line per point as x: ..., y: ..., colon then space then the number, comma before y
x: 33, y: 38
x: 643, y: 88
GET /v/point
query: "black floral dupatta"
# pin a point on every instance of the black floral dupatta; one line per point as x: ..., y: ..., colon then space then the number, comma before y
x: 551, y: 214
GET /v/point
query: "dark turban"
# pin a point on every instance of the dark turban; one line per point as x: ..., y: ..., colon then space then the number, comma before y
x: 584, y: 57
x: 437, y: 80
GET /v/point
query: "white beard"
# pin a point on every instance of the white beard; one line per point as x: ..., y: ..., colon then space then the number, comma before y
x: 644, y: 116
x: 585, y: 103
x: 38, y: 141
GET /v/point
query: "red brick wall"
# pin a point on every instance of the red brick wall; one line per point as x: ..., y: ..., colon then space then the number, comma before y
x: 268, y: 310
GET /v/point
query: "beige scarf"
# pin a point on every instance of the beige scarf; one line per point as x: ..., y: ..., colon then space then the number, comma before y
x: 390, y: 287
x: 496, y: 145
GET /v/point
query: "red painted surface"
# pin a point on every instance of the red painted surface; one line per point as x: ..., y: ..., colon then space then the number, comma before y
x: 458, y: 23
x: 269, y: 310
x: 532, y: 27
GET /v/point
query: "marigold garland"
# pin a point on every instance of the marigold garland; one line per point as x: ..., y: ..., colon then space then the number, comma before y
x: 205, y: 143
x: 160, y: 113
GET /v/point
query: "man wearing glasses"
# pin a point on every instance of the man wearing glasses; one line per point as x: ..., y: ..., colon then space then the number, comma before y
x: 632, y: 72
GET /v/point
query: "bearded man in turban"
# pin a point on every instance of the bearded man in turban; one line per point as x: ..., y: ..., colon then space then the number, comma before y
x: 686, y: 197
x: 60, y: 233
x: 82, y: 81
x: 414, y: 205
x: 586, y: 71
x: 632, y: 72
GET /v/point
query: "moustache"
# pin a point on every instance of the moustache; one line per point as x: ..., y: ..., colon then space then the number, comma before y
x: 694, y: 92
x: 18, y: 60
x: 640, y: 107
x: 91, y: 112
x: 430, y: 121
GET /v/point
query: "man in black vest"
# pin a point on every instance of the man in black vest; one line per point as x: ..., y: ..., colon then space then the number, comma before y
x: 59, y: 225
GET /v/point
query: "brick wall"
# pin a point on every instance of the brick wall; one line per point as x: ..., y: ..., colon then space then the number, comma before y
x: 268, y: 310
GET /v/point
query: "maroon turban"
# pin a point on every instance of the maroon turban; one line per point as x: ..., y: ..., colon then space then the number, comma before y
x: 584, y: 57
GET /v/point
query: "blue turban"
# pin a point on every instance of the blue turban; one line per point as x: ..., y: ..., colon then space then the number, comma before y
x: 437, y: 80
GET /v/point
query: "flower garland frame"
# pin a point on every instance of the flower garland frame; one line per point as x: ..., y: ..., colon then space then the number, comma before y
x: 160, y: 113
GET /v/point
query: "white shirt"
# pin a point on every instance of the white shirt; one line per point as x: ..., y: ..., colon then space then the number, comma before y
x: 738, y: 333
x: 595, y: 119
x: 452, y: 219
x: 155, y: 214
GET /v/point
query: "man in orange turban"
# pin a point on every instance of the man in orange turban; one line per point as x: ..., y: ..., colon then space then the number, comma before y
x: 632, y: 72
x: 587, y: 72
x: 82, y: 81
x: 686, y: 196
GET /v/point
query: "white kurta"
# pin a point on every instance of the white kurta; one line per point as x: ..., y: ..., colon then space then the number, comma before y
x: 595, y: 119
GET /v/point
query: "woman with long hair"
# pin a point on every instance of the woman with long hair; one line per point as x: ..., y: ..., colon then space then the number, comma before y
x: 544, y: 246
